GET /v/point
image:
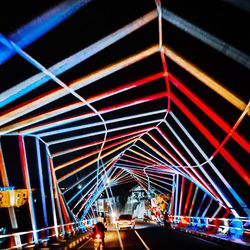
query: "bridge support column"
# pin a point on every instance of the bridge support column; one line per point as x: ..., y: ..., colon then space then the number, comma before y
x: 15, y: 240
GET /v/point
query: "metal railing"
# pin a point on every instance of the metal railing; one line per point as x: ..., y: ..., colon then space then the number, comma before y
x: 19, y: 240
x: 228, y: 226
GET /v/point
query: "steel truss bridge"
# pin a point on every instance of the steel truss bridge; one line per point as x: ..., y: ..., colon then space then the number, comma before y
x: 98, y: 94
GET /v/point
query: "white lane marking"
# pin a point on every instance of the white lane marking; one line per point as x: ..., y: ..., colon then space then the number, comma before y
x: 145, y: 245
x: 119, y: 237
x: 84, y: 243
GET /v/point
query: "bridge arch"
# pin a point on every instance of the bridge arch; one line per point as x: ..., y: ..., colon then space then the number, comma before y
x: 155, y: 98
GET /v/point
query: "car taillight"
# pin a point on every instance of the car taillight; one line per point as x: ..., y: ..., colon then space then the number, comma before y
x: 98, y: 236
x: 132, y: 221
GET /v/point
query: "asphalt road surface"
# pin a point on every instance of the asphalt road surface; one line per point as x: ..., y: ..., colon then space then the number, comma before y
x: 152, y: 237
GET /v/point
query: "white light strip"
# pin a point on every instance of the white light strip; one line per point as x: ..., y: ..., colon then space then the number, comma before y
x: 80, y: 83
x: 5, y: 182
x: 205, y: 79
x: 124, y: 118
x: 164, y: 149
x: 63, y: 85
x: 143, y: 242
x: 130, y: 135
x: 206, y: 158
x: 139, y: 169
x: 197, y: 180
x: 99, y: 133
x: 202, y: 185
x: 207, y: 38
x: 92, y: 153
x: 80, y: 56
x: 145, y: 179
x: 93, y: 161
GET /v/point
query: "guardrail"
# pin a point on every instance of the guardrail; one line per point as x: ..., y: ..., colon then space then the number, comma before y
x: 43, y: 236
x: 237, y: 227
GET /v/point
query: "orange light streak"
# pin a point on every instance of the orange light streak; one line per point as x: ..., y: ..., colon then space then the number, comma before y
x: 205, y: 79
x: 94, y: 161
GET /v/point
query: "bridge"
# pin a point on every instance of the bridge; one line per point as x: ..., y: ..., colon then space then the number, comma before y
x: 100, y: 96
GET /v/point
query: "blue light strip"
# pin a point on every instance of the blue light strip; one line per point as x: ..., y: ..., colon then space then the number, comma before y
x: 208, y: 206
x: 26, y: 174
x: 176, y: 194
x: 39, y: 26
x: 202, y: 201
x: 216, y: 187
x: 110, y: 121
x: 79, y: 181
x: 196, y: 181
x: 11, y: 210
x: 95, y: 195
x: 51, y: 191
x: 59, y: 68
x: 42, y: 191
x: 80, y: 191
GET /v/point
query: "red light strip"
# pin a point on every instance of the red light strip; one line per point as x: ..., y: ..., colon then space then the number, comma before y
x: 126, y: 87
x: 139, y: 159
x: 153, y: 161
x: 92, y: 153
x: 164, y: 64
x: 193, y: 201
x: 188, y: 198
x: 135, y: 102
x: 181, y: 195
x: 135, y: 133
x: 27, y: 185
x: 209, y: 112
x: 94, y: 161
x: 165, y: 149
x: 11, y: 210
x: 47, y: 98
x: 136, y: 163
x: 232, y: 131
x: 200, y: 179
x: 205, y: 79
x: 229, y: 158
x: 65, y: 212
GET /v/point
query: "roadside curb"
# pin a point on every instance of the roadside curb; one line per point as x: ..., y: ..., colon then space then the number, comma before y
x: 234, y: 243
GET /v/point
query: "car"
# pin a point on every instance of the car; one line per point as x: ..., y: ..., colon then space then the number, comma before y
x: 125, y: 221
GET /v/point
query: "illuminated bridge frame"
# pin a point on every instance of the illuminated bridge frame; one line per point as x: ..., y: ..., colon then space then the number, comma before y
x: 153, y: 138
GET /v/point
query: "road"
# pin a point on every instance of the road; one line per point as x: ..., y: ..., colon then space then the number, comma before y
x: 152, y: 237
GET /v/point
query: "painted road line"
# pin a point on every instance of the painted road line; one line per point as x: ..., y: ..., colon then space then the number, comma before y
x: 84, y: 244
x: 119, y: 237
x: 144, y: 244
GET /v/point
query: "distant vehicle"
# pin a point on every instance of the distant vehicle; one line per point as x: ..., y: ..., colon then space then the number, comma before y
x: 125, y: 221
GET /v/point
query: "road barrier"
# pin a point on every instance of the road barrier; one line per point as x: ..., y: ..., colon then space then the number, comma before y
x: 226, y: 230
x: 50, y: 235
